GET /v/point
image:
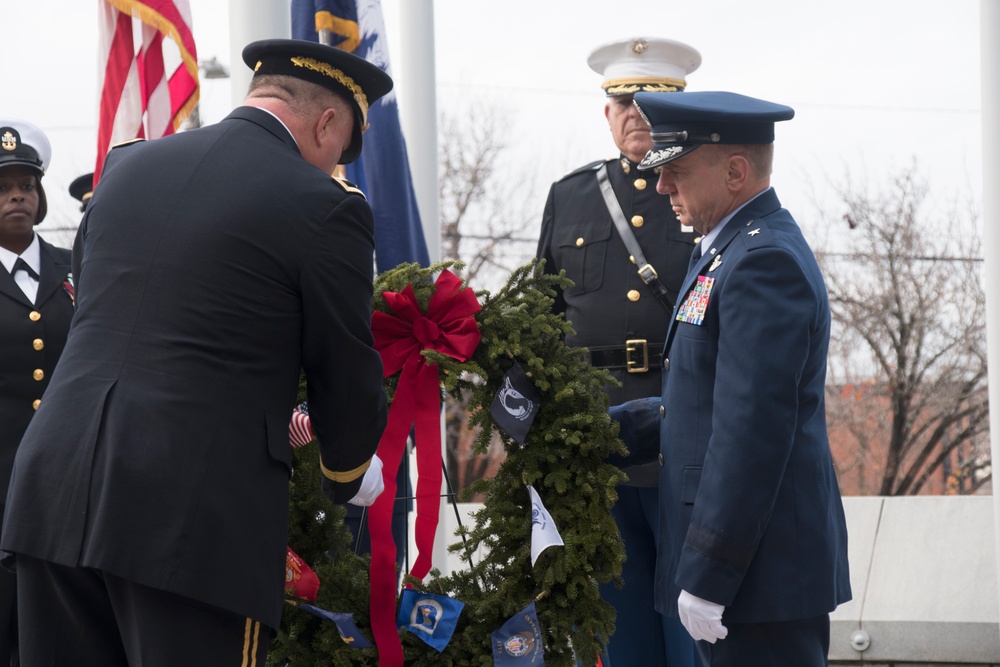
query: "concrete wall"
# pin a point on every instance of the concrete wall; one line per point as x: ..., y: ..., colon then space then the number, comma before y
x: 923, y: 573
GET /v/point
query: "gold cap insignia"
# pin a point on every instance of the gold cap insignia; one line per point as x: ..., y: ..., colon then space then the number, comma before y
x: 340, y: 77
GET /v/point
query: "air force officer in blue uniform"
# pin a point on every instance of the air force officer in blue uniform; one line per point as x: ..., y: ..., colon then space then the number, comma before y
x: 753, y: 538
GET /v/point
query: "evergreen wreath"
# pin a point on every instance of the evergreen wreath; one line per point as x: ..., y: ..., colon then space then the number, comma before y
x: 563, y: 458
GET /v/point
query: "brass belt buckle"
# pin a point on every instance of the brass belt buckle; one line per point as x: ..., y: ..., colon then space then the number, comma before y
x: 632, y: 346
x: 648, y: 274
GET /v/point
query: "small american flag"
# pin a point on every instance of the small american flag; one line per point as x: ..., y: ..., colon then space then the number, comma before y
x: 299, y: 429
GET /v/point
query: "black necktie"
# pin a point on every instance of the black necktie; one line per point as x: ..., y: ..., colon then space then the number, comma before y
x: 695, y: 256
x: 21, y: 265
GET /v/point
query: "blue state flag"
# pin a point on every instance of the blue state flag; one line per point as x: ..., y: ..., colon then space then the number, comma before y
x: 349, y: 632
x: 519, y: 640
x: 431, y: 617
x: 383, y: 170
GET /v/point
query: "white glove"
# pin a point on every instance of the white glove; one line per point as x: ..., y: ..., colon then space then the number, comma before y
x: 701, y: 618
x: 371, y: 484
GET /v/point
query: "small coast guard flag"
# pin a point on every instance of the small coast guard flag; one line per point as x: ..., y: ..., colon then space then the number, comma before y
x: 544, y: 533
x: 431, y: 617
x: 519, y: 640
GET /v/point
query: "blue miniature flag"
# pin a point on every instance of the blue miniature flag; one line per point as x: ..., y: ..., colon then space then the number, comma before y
x: 345, y: 625
x: 544, y: 533
x: 383, y: 170
x: 431, y: 617
x: 519, y: 640
x: 516, y: 403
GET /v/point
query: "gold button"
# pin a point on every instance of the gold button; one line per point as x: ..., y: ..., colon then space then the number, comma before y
x: 698, y: 239
x: 633, y: 295
x: 637, y: 221
x: 38, y: 343
x: 640, y: 184
x: 34, y: 316
x: 579, y: 242
x: 36, y: 403
x: 39, y: 374
x: 631, y: 258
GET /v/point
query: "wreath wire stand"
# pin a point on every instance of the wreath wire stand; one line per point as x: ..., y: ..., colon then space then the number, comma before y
x: 452, y: 497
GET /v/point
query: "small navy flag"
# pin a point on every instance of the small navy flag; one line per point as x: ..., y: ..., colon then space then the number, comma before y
x: 431, y: 617
x: 516, y: 404
x: 519, y: 640
x: 345, y: 625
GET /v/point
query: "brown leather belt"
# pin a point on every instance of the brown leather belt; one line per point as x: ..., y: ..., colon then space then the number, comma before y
x: 637, y: 356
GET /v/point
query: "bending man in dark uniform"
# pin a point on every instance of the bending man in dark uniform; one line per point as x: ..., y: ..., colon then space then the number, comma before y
x: 148, y: 509
x: 620, y: 318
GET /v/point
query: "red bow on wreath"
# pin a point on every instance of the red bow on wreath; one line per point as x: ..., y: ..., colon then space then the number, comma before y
x: 449, y: 327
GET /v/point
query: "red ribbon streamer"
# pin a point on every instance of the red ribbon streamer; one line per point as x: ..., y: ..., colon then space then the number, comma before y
x: 450, y: 328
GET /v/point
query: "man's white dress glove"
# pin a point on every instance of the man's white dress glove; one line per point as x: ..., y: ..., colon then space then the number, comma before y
x: 701, y: 618
x: 371, y: 484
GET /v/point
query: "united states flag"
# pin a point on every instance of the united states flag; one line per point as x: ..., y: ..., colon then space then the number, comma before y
x: 149, y: 81
x: 299, y: 429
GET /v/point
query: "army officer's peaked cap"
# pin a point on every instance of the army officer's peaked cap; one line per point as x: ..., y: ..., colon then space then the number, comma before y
x: 355, y: 79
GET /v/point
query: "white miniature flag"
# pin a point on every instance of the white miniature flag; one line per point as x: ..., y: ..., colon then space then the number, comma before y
x: 544, y: 533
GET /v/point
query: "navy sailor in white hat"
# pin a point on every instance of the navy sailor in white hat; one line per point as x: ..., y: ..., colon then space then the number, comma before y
x: 35, y: 311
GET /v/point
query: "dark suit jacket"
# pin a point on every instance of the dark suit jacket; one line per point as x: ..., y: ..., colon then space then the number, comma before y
x: 28, y: 344
x: 214, y: 266
x: 578, y: 236
x: 750, y: 510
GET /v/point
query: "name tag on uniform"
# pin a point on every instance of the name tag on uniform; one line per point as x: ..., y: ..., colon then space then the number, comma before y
x: 693, y: 309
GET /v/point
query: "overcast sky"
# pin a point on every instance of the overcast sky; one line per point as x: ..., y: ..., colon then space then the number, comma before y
x: 876, y: 84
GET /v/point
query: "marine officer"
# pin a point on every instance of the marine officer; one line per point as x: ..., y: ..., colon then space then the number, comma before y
x: 626, y: 275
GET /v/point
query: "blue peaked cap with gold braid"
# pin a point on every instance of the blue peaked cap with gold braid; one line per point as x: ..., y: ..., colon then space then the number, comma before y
x: 680, y: 123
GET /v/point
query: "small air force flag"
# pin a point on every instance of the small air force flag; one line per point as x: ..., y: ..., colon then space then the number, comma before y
x: 516, y: 404
x: 544, y: 533
x: 345, y: 625
x: 519, y: 640
x: 431, y: 617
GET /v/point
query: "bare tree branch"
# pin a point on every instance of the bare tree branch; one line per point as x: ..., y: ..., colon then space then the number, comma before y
x: 915, y: 326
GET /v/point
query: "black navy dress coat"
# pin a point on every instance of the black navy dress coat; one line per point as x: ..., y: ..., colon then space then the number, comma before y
x: 214, y: 266
x: 748, y: 487
x: 32, y: 336
x: 608, y: 303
